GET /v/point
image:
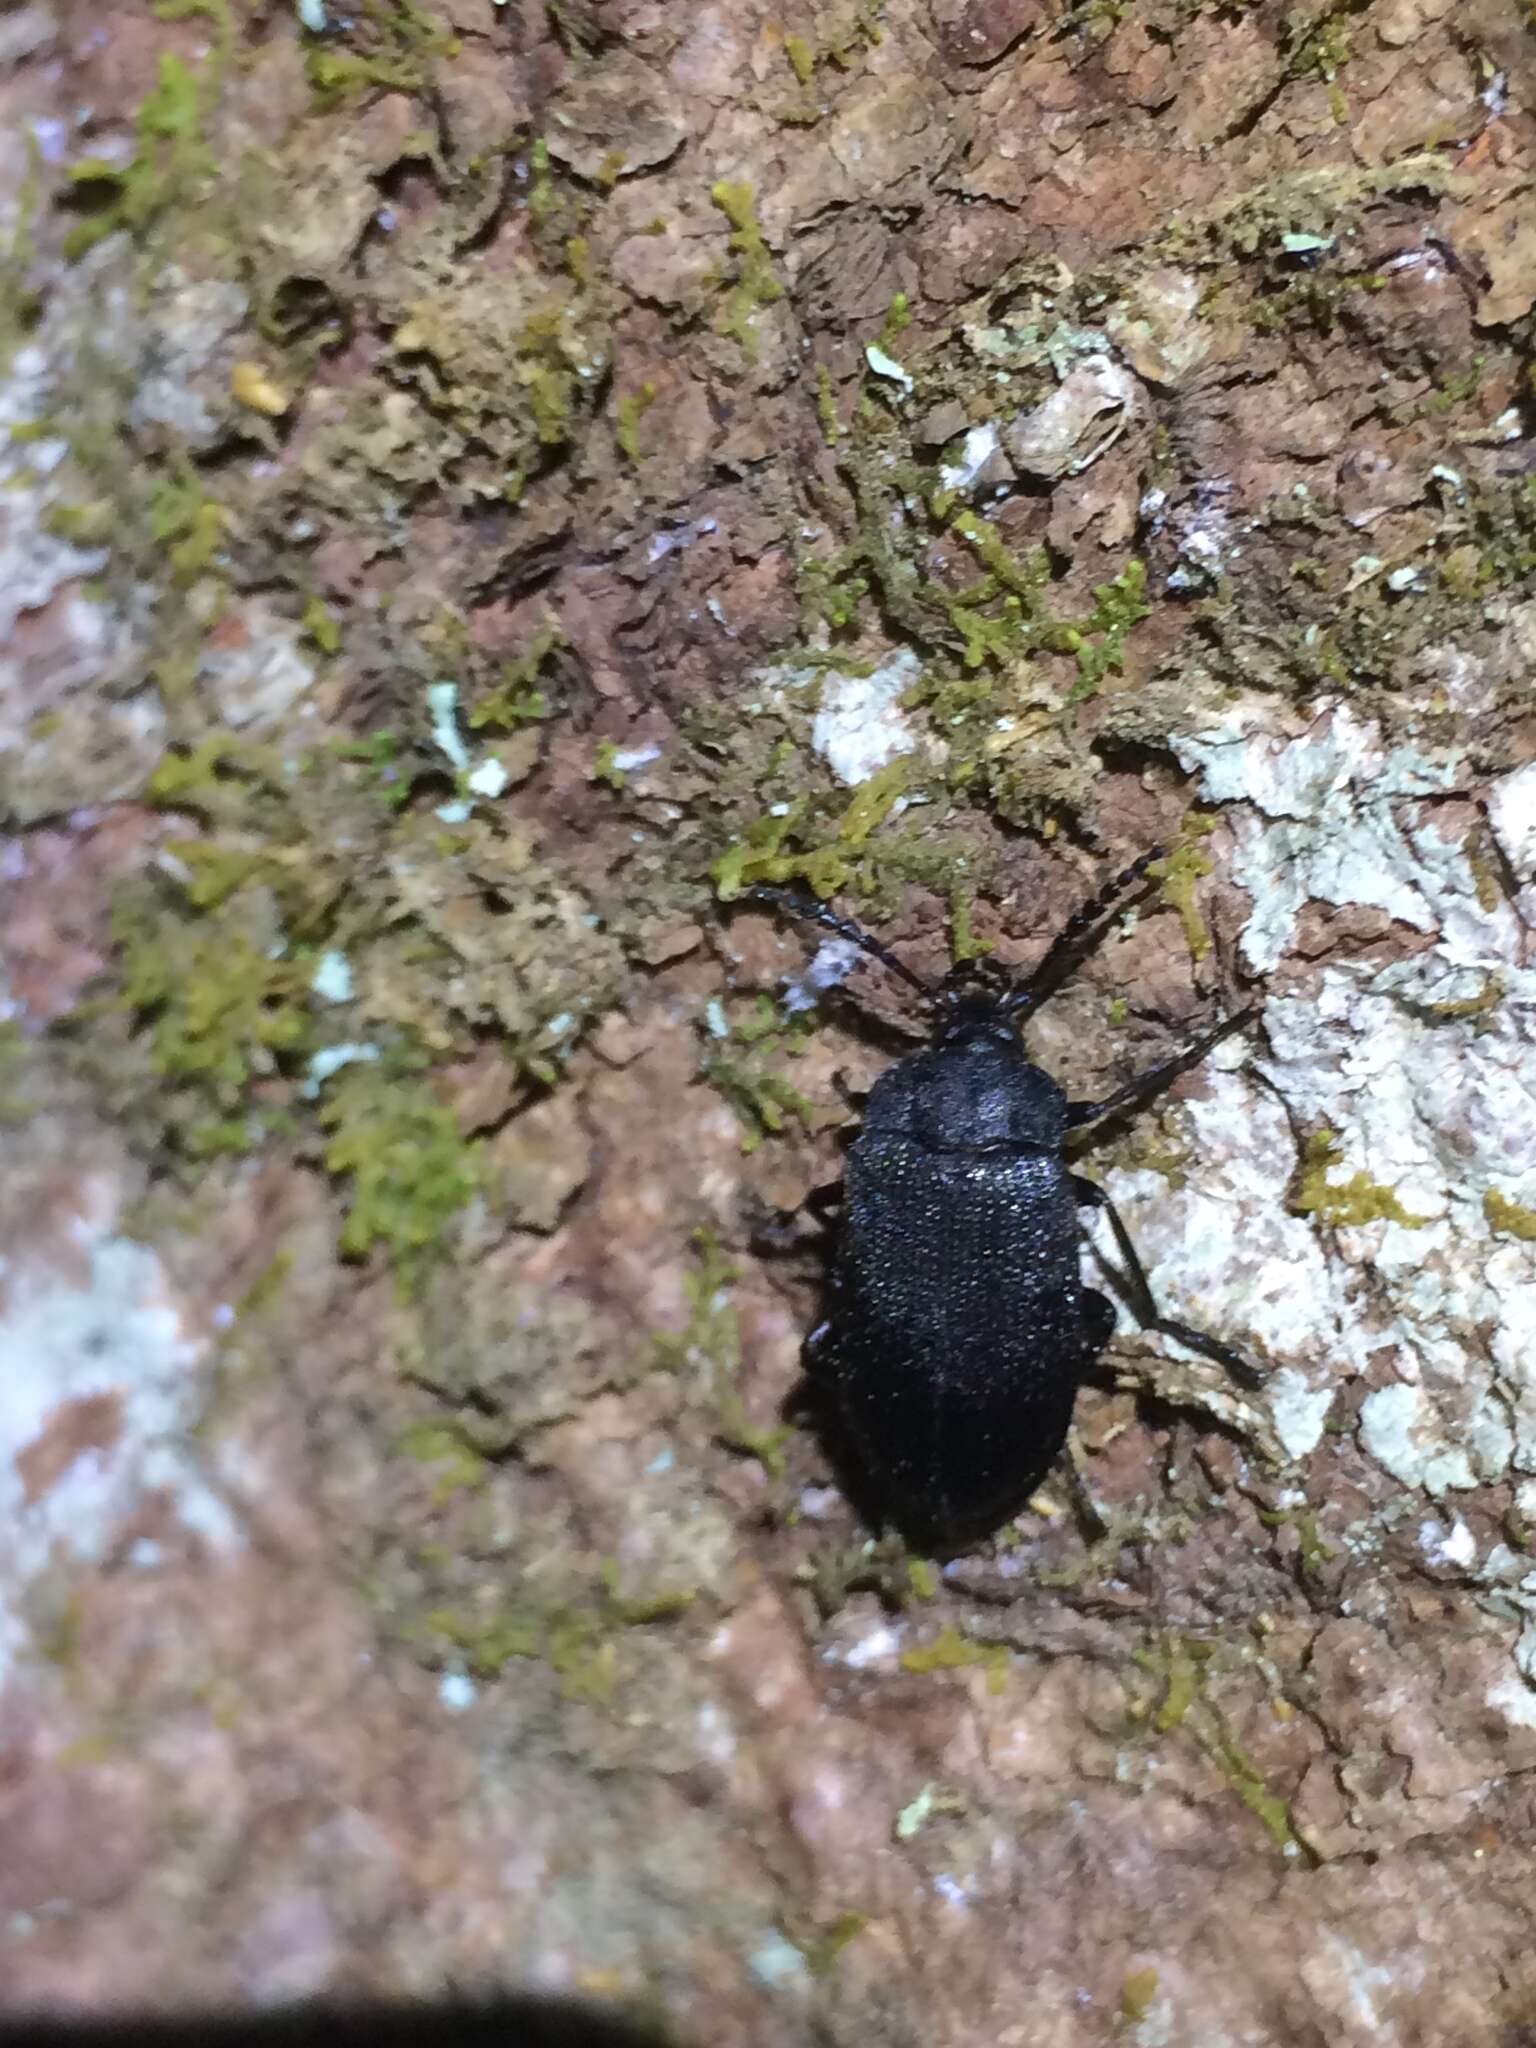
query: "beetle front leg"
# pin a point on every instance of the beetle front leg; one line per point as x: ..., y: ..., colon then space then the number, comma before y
x: 779, y: 1230
x: 1091, y: 1196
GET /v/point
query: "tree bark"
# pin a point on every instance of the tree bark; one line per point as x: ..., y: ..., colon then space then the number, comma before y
x: 486, y: 486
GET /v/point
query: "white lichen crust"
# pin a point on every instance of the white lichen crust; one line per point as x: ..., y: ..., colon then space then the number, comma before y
x: 1421, y: 1069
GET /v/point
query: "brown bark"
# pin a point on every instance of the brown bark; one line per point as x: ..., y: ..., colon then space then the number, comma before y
x: 485, y: 484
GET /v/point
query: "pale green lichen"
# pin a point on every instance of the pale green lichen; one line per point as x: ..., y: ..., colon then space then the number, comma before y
x: 708, y: 1350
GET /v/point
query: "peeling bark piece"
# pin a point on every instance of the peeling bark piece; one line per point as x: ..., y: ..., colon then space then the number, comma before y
x: 1501, y: 243
x: 1080, y: 421
x: 1158, y: 329
x: 615, y: 121
x: 541, y: 1159
x: 981, y: 31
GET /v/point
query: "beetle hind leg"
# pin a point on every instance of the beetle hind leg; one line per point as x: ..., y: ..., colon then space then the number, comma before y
x: 1092, y: 1196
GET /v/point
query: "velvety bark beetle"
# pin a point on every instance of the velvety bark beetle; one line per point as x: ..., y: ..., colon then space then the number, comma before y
x: 957, y: 1328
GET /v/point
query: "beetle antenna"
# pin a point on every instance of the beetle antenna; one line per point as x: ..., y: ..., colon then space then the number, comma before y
x: 812, y: 912
x: 1077, y: 937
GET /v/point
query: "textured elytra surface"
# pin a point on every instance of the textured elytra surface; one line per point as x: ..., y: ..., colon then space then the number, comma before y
x: 475, y: 1633
x: 958, y: 1335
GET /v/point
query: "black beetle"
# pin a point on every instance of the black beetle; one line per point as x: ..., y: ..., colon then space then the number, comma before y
x: 957, y: 1328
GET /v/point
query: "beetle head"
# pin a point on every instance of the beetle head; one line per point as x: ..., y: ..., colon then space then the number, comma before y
x: 976, y: 999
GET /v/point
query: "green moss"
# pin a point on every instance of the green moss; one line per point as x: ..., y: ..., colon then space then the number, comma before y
x: 409, y: 1172
x: 1318, y: 300
x: 1117, y: 606
x: 266, y: 1290
x: 578, y: 259
x: 489, y: 1643
x: 1025, y: 580
x: 1485, y: 878
x: 188, y: 525
x: 822, y: 1948
x: 1182, y: 1667
x: 387, y: 776
x: 1177, y: 875
x: 1340, y: 1204
x: 516, y: 699
x: 829, y: 594
x: 541, y: 188
x: 630, y: 409
x: 755, y: 283
x: 1508, y: 1218
x: 898, y: 318
x: 663, y: 1603
x: 1243, y: 1775
x: 1312, y: 1551
x: 951, y: 1651
x: 20, y: 301
x: 774, y: 848
x: 964, y: 944
x: 394, y: 46
x: 1483, y: 1004
x: 763, y: 1102
x: 321, y: 625
x: 170, y: 166
x: 577, y: 1639
x: 1317, y: 45
x: 464, y: 1468
x: 802, y: 59
x: 1178, y: 1664
x: 219, y: 1009
x: 86, y: 526
x: 15, y: 1108
x: 922, y: 1578
x: 1137, y: 1991
x: 605, y: 766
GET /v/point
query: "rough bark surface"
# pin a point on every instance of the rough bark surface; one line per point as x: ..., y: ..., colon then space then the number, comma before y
x: 482, y: 486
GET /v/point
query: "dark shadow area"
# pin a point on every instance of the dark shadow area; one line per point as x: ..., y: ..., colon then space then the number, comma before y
x: 527, y: 2022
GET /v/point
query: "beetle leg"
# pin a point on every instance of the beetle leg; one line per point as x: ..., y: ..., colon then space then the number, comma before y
x: 850, y: 1097
x: 1142, y: 1087
x: 1092, y: 1196
x: 780, y: 1230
